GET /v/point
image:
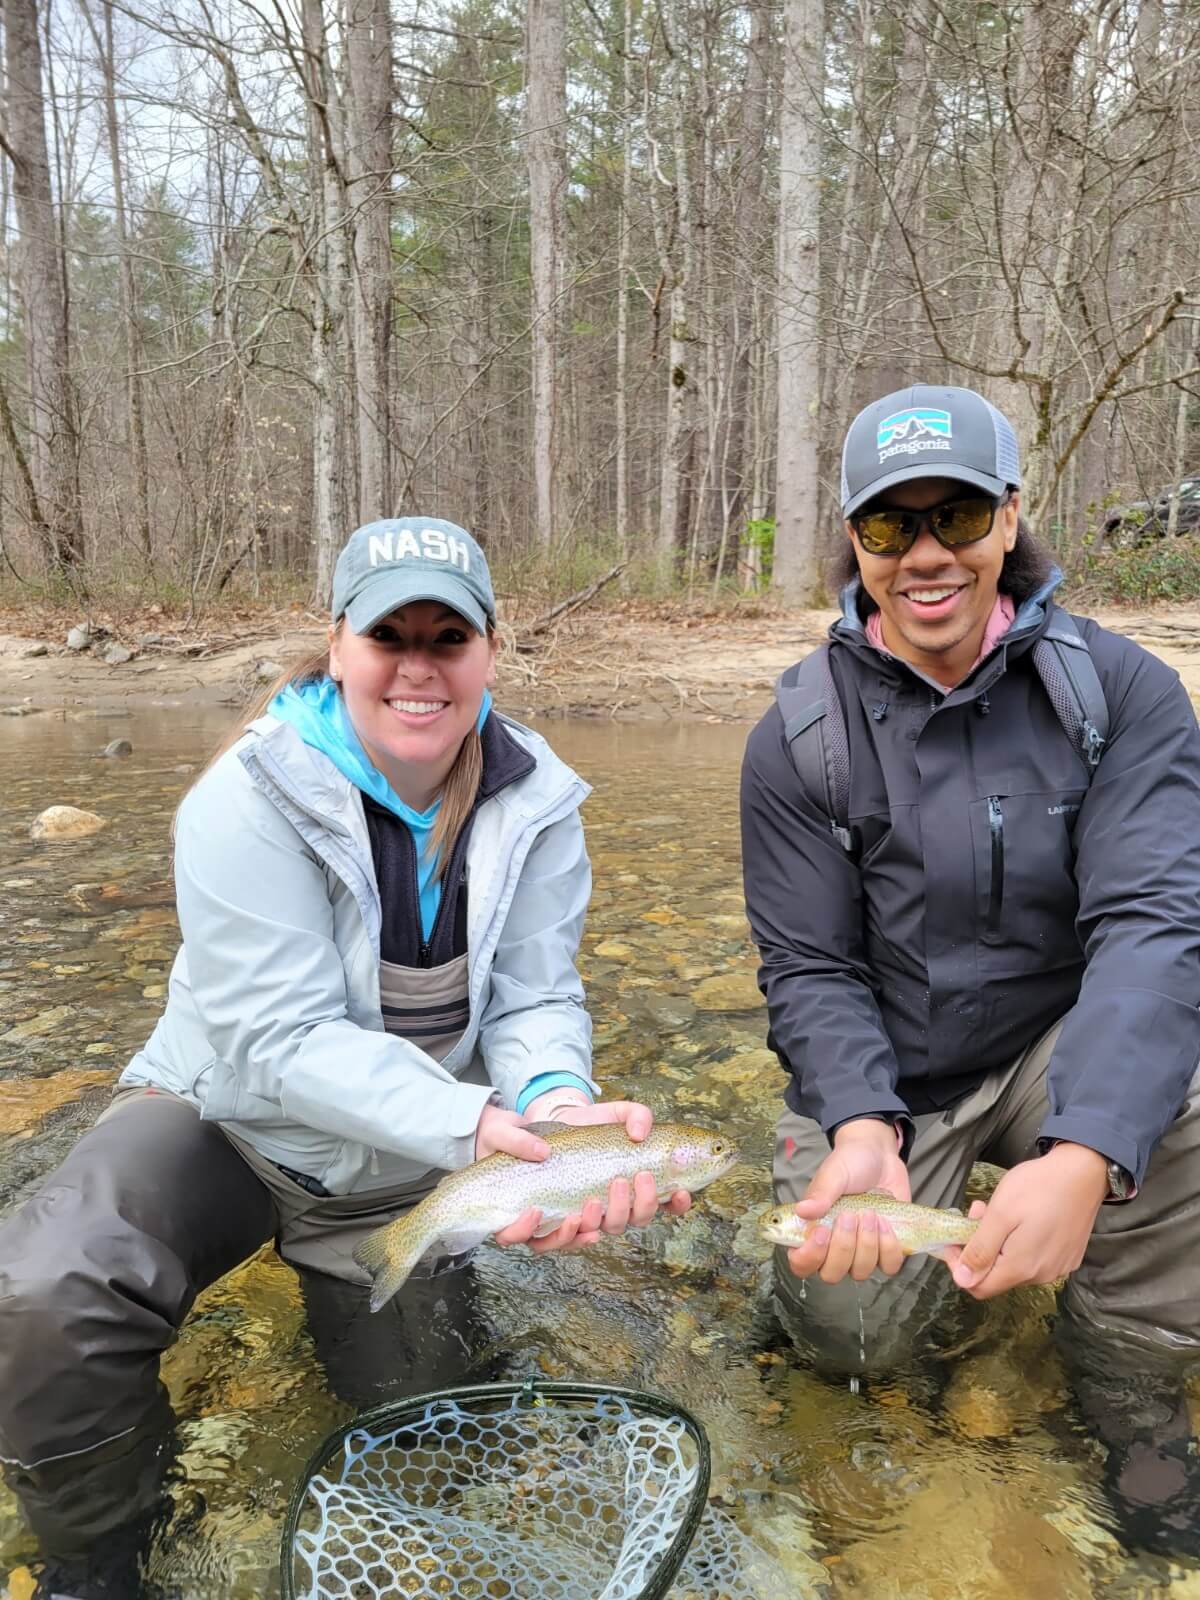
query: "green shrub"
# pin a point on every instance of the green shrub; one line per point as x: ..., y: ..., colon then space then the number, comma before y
x: 1161, y: 569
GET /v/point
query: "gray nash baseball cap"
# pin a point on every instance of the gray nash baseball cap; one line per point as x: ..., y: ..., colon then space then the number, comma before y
x: 386, y: 564
x: 928, y: 432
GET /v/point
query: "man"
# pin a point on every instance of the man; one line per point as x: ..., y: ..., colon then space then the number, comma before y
x: 998, y: 958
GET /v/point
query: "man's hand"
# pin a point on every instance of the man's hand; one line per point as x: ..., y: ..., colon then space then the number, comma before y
x: 629, y: 1205
x: 1036, y: 1226
x: 865, y: 1155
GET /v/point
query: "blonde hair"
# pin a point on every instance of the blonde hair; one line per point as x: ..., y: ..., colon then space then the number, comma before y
x: 462, y: 781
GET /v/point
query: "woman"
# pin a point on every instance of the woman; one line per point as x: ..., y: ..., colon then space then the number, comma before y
x: 381, y: 886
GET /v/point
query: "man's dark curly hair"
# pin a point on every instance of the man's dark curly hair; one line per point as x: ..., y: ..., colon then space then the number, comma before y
x: 1027, y: 566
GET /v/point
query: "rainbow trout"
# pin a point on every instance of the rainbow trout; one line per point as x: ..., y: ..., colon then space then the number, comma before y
x: 468, y: 1206
x: 918, y: 1228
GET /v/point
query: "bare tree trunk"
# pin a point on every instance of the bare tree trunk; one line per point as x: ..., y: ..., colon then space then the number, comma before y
x: 797, y: 487
x: 54, y: 448
x: 369, y: 41
x: 623, y: 240
x: 747, y: 228
x: 134, y: 400
x: 333, y: 466
x: 546, y: 114
x: 677, y: 254
x: 1179, y: 468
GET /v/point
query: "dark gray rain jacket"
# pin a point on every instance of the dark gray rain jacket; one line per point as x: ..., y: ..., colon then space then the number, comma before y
x: 993, y: 891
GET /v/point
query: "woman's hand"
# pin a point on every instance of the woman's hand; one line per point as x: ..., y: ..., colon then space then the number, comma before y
x: 627, y: 1205
x: 504, y: 1132
x: 865, y: 1155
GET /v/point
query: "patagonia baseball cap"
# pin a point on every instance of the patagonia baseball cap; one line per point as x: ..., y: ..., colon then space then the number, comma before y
x: 928, y: 432
x: 386, y: 564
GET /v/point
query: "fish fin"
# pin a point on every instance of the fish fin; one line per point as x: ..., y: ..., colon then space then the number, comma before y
x: 389, y: 1255
x: 435, y: 1263
x: 461, y: 1244
x: 547, y: 1130
x: 550, y: 1221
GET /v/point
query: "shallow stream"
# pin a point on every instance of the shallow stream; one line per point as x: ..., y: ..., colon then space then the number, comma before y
x: 970, y: 1478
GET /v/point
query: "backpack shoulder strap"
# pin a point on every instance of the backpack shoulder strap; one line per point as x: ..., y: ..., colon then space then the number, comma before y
x: 1068, y: 673
x: 814, y: 725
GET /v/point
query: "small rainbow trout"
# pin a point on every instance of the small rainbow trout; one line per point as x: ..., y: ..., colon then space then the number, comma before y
x: 918, y: 1228
x: 468, y: 1206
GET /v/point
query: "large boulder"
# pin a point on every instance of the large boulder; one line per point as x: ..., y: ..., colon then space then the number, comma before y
x: 59, y: 823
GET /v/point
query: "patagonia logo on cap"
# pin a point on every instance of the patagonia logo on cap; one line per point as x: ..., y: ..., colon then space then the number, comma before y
x: 429, y: 544
x: 908, y: 433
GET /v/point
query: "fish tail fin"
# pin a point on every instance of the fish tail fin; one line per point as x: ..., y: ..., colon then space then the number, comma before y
x: 389, y: 1255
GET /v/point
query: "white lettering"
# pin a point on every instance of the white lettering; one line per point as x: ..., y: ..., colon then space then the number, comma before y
x: 434, y: 541
x: 379, y: 548
x: 458, y: 548
x: 914, y: 447
x: 406, y: 545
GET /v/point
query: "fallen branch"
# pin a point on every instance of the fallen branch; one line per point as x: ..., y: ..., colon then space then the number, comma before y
x: 565, y: 607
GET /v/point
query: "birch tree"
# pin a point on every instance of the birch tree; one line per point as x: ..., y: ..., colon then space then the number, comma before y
x: 796, y: 570
x: 54, y: 444
x: 546, y: 112
x: 369, y: 49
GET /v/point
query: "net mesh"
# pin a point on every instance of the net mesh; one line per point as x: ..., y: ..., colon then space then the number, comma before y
x: 513, y: 1499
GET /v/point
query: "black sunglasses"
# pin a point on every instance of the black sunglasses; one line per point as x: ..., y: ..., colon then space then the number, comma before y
x: 893, y: 530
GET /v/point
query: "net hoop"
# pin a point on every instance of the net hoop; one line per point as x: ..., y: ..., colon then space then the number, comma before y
x: 396, y: 1414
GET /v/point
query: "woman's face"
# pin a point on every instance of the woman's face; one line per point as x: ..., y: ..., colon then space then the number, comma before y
x: 412, y: 686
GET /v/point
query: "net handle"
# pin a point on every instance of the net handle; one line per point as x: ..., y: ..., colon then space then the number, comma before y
x: 396, y: 1412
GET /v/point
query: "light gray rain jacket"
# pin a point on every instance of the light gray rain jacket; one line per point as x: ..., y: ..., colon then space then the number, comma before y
x: 273, y: 1024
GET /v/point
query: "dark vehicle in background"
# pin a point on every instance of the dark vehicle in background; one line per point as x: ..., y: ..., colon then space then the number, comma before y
x: 1143, y: 520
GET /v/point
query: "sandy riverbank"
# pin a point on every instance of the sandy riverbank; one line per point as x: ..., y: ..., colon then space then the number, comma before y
x: 600, y: 663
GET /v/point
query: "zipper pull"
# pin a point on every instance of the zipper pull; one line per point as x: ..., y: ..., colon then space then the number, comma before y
x: 880, y: 711
x: 425, y: 957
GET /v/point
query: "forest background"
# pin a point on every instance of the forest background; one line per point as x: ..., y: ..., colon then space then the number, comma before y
x: 603, y: 280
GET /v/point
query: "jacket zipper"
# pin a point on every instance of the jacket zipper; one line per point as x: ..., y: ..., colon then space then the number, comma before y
x: 996, y: 892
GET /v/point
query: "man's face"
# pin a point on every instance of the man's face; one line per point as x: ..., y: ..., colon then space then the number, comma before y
x: 934, y: 603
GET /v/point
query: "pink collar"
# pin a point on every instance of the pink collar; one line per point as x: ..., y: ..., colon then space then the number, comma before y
x: 998, y: 624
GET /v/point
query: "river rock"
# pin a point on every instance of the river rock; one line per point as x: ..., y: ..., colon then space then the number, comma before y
x: 121, y: 896
x: 730, y: 991
x: 1011, y: 1553
x: 25, y: 1101
x: 34, y: 650
x: 118, y: 747
x: 145, y: 640
x: 59, y: 823
x: 267, y: 671
x: 79, y: 637
x: 117, y: 655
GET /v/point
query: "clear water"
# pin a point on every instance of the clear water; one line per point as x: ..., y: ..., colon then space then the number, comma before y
x: 972, y: 1476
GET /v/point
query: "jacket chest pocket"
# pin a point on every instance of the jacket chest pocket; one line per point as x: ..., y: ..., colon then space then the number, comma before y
x: 1025, y: 892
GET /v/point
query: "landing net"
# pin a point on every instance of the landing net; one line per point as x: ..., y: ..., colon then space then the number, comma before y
x: 518, y: 1492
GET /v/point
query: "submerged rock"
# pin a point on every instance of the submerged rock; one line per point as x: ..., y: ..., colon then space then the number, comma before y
x: 65, y: 822
x: 25, y: 1101
x: 730, y: 991
x: 118, y: 747
x: 121, y: 896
